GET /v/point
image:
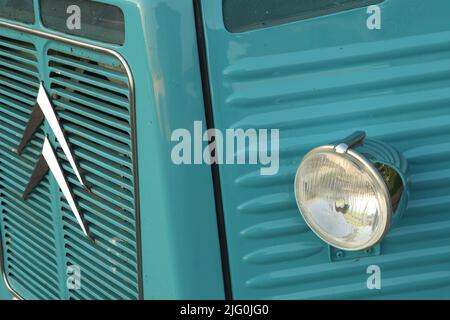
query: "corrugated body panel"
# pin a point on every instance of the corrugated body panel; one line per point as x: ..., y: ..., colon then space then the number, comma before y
x: 317, y: 81
x: 90, y: 92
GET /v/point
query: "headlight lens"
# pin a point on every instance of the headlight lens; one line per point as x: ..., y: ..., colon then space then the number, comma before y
x: 343, y: 198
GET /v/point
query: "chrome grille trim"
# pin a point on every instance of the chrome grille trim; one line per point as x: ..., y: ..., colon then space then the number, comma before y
x: 55, y: 37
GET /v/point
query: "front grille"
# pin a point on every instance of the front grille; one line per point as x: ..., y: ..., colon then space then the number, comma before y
x: 90, y: 92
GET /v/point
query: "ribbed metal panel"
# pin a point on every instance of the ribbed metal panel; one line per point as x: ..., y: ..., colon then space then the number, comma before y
x: 319, y: 100
x: 90, y: 92
x: 318, y: 81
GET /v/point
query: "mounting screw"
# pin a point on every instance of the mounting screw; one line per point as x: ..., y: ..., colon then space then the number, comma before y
x: 339, y: 254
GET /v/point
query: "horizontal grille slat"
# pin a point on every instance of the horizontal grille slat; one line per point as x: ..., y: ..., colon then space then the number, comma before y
x: 27, y: 60
x: 33, y: 256
x: 35, y: 248
x: 18, y: 186
x: 101, y: 235
x: 94, y: 115
x: 104, y: 256
x: 33, y: 218
x: 10, y: 142
x: 114, y: 191
x: 103, y: 131
x: 22, y: 273
x: 35, y: 208
x: 17, y: 224
x: 43, y: 239
x: 100, y: 202
x: 25, y: 165
x: 103, y: 286
x: 119, y: 178
x: 90, y: 80
x: 106, y: 220
x: 74, y: 295
x: 16, y: 94
x: 18, y: 76
x: 22, y: 167
x: 11, y: 121
x: 123, y: 217
x: 106, y: 245
x: 94, y: 105
x: 89, y: 160
x: 18, y: 45
x: 106, y: 145
x: 92, y: 286
x: 37, y: 226
x: 101, y: 195
x: 15, y: 113
x: 37, y: 294
x: 107, y: 192
x: 19, y: 87
x: 93, y: 92
x: 96, y: 172
x: 34, y: 201
x: 33, y: 268
x: 4, y: 100
x: 24, y: 68
x: 65, y: 59
x: 101, y: 270
x: 100, y: 149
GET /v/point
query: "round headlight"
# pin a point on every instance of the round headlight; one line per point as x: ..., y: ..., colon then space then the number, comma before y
x: 343, y: 198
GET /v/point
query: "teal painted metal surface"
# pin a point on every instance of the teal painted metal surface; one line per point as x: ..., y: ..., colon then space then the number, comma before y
x: 182, y: 231
x: 319, y: 80
x: 4, y: 293
x: 315, y: 80
x: 178, y: 225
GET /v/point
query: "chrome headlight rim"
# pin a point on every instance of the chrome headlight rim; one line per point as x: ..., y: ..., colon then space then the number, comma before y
x: 383, y: 192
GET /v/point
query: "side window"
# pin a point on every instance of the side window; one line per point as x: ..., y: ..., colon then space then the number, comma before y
x: 17, y: 10
x: 244, y: 15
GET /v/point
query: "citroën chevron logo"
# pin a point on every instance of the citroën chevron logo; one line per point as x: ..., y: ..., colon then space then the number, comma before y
x: 48, y: 159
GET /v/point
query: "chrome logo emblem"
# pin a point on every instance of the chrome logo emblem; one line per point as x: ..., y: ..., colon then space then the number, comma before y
x: 48, y: 159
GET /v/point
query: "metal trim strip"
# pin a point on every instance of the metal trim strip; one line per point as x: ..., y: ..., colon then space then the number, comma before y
x: 209, y: 113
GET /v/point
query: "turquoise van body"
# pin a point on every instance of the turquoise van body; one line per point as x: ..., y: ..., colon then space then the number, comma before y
x: 167, y: 231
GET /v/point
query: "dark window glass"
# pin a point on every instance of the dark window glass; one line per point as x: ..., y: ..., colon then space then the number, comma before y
x: 17, y: 10
x: 99, y: 21
x: 243, y: 15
